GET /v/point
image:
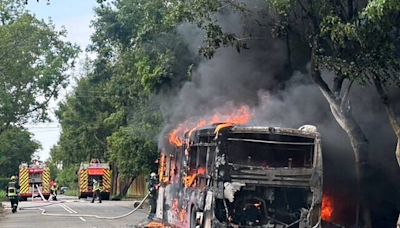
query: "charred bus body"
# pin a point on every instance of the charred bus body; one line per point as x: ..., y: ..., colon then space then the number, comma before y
x: 236, y: 176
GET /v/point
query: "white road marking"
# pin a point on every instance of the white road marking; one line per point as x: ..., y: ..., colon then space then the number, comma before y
x: 70, y: 209
x: 63, y: 206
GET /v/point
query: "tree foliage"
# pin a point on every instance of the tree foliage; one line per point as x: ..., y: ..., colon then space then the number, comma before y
x: 84, y: 131
x: 68, y: 177
x: 16, y: 146
x: 113, y: 113
x: 33, y: 68
x: 33, y: 65
x: 132, y: 151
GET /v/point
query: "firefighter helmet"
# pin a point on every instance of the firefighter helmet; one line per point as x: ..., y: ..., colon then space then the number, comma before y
x: 13, y: 178
x: 153, y: 175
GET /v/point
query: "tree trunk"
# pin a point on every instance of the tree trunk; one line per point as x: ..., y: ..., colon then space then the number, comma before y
x: 115, y: 175
x: 359, y: 144
x: 398, y: 151
x: 394, y: 118
x: 357, y: 138
x: 398, y: 220
x: 124, y: 187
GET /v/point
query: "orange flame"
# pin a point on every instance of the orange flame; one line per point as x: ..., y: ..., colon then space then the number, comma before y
x: 239, y: 116
x: 327, y: 209
x: 156, y: 225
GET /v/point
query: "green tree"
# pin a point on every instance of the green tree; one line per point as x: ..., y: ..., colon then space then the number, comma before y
x: 82, y: 117
x: 138, y: 55
x: 68, y: 177
x: 133, y: 152
x: 16, y: 146
x: 33, y: 65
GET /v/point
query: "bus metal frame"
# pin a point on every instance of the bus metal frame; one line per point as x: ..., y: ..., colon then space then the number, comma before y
x: 242, y: 176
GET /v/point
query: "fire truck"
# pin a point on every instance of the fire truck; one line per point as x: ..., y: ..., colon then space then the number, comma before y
x: 242, y: 176
x: 94, y: 170
x: 34, y: 178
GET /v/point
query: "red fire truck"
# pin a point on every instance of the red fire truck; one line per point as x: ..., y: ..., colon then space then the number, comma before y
x: 94, y: 170
x: 33, y: 179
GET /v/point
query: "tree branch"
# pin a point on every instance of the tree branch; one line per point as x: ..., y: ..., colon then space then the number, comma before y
x: 309, y: 15
x: 393, y: 118
x: 101, y: 142
x: 316, y: 77
x: 350, y: 8
x: 337, y: 85
x: 345, y: 101
x: 46, y: 101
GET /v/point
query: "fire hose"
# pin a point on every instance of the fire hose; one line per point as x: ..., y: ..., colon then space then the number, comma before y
x: 44, y: 199
x: 88, y: 215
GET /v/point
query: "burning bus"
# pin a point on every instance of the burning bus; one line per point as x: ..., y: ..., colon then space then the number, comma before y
x: 227, y: 175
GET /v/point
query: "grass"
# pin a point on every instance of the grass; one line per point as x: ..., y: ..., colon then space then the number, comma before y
x: 3, y: 196
x: 71, y: 192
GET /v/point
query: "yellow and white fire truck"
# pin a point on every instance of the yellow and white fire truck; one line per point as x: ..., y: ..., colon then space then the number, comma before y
x: 94, y: 170
x: 34, y: 178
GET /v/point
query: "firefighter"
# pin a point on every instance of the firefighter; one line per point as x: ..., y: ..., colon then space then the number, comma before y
x: 53, y: 190
x: 96, y: 190
x: 12, y: 193
x: 153, y: 187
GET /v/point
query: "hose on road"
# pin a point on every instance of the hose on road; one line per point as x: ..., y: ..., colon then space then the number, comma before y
x: 88, y: 215
x: 44, y: 199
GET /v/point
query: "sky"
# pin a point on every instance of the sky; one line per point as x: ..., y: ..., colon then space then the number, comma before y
x: 75, y: 16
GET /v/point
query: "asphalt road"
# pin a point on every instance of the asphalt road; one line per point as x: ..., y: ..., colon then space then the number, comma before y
x: 30, y: 216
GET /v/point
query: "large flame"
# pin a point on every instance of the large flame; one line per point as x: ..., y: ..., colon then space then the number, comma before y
x: 327, y: 208
x: 239, y: 116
